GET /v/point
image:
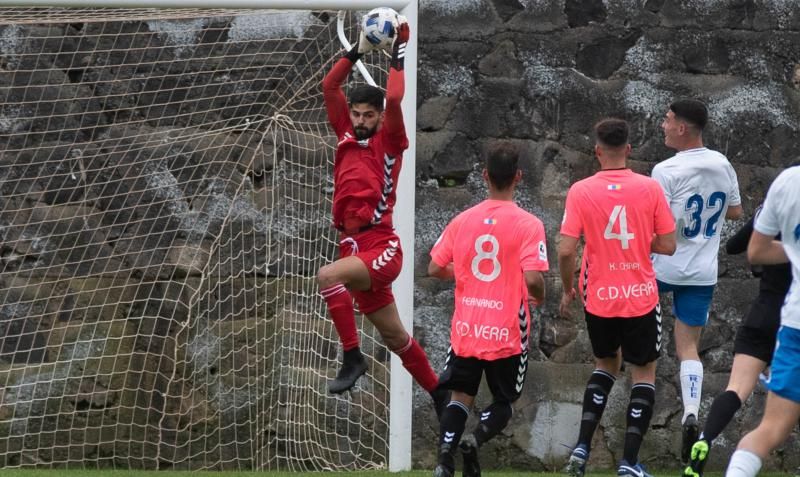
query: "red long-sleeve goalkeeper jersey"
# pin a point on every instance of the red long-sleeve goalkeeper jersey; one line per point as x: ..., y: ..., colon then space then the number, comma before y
x: 365, y: 172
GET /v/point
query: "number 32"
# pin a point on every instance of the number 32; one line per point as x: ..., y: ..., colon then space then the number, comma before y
x: 695, y: 205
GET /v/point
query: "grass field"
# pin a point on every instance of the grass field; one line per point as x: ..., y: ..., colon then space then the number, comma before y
x: 139, y: 473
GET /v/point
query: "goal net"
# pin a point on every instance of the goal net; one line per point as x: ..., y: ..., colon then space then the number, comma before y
x: 165, y: 188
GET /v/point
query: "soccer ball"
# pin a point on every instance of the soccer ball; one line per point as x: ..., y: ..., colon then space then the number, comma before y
x: 379, y: 27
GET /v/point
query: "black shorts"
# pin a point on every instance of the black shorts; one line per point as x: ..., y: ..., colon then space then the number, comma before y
x: 756, y: 335
x: 639, y: 337
x: 505, y: 376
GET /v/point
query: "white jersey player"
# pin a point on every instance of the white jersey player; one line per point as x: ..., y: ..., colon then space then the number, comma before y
x: 781, y: 214
x: 702, y: 191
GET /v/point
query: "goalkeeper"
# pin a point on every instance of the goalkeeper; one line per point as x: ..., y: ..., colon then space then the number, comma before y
x: 371, y: 141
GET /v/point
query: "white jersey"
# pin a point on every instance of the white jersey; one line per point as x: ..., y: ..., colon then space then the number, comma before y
x: 781, y: 214
x: 699, y: 185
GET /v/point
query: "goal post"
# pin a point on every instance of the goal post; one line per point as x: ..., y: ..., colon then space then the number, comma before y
x: 165, y: 192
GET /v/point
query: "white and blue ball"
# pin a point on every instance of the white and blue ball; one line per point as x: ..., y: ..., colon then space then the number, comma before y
x: 379, y: 26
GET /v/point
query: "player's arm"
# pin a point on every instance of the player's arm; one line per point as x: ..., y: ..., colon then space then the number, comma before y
x: 534, y: 280
x: 567, y: 257
x: 441, y: 272
x: 332, y: 93
x: 441, y: 265
x: 765, y: 250
x: 664, y: 244
x: 335, y: 100
x: 734, y: 212
x: 664, y: 239
x: 395, y: 89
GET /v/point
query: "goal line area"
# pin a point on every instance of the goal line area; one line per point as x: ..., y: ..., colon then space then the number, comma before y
x: 165, y: 196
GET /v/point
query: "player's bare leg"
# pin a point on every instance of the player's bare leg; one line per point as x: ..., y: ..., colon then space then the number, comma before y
x: 742, y: 381
x: 744, y: 375
x: 687, y: 341
x: 780, y: 417
x: 334, y: 281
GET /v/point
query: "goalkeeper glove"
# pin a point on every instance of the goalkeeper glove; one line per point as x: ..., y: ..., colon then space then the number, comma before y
x: 400, y: 41
x: 359, y: 49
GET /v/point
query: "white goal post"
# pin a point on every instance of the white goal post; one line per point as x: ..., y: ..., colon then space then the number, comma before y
x: 27, y: 278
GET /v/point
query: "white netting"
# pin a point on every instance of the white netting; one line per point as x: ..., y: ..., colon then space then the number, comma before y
x: 165, y: 188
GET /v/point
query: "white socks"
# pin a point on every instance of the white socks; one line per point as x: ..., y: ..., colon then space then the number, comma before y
x: 743, y: 464
x: 691, y: 387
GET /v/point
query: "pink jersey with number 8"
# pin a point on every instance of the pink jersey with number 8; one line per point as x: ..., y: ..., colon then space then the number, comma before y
x: 617, y: 211
x: 490, y: 246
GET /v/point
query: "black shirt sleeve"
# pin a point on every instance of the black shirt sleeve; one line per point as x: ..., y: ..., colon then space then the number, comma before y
x: 738, y: 242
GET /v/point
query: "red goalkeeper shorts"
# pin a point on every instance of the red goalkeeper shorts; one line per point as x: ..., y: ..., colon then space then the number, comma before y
x: 381, y: 253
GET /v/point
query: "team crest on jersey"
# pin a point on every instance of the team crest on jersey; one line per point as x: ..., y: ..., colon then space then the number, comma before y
x: 490, y: 221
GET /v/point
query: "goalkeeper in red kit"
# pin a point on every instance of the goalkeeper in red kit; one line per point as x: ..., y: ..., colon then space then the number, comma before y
x: 366, y: 168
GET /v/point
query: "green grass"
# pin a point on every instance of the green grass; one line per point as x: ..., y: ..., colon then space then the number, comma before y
x: 419, y: 473
x: 142, y: 473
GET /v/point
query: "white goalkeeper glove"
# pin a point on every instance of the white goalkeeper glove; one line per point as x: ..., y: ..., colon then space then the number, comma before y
x: 364, y: 46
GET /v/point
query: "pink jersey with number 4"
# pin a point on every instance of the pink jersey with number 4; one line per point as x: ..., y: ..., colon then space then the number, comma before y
x: 490, y: 246
x: 617, y: 211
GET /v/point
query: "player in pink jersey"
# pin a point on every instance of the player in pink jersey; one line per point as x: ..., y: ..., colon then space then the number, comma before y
x: 496, y: 253
x: 623, y: 217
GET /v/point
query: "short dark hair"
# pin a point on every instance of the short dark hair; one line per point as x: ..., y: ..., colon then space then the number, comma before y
x: 691, y: 111
x: 502, y: 163
x: 611, y: 132
x: 366, y: 94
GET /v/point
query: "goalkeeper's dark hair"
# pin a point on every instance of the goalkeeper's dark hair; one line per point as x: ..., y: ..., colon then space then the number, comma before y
x: 692, y: 111
x: 366, y: 94
x: 612, y: 132
x: 502, y: 164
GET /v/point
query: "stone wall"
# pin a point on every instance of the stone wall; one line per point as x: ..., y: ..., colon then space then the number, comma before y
x: 540, y: 73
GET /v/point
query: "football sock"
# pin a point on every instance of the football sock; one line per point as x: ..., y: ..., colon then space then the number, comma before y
x: 594, y: 403
x: 722, y: 411
x: 743, y: 464
x: 451, y: 427
x: 640, y: 410
x: 493, y: 420
x: 691, y: 386
x: 340, y: 307
x: 416, y: 362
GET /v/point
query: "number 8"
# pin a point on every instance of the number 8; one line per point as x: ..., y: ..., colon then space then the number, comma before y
x: 490, y: 255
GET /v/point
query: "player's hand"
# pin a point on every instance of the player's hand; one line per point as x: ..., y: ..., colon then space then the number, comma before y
x: 403, y: 32
x: 567, y: 297
x: 364, y: 46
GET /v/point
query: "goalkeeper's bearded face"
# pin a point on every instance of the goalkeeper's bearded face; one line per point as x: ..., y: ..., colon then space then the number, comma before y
x: 366, y: 120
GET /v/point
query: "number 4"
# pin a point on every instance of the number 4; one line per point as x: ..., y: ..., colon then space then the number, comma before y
x: 623, y: 236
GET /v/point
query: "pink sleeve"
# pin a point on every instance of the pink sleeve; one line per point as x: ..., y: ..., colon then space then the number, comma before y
x: 442, y: 251
x: 533, y: 251
x: 664, y: 222
x: 571, y: 225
